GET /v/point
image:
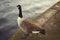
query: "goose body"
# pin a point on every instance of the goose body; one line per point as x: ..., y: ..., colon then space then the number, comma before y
x: 28, y: 25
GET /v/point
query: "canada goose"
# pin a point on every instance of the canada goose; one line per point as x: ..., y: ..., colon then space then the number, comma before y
x: 28, y: 26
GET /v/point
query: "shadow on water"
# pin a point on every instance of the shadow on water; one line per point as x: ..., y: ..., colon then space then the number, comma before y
x: 3, y: 21
x: 8, y: 31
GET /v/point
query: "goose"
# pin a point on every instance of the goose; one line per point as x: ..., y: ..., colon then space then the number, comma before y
x: 27, y: 25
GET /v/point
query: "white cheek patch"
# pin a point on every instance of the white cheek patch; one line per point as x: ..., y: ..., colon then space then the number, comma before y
x: 35, y: 31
